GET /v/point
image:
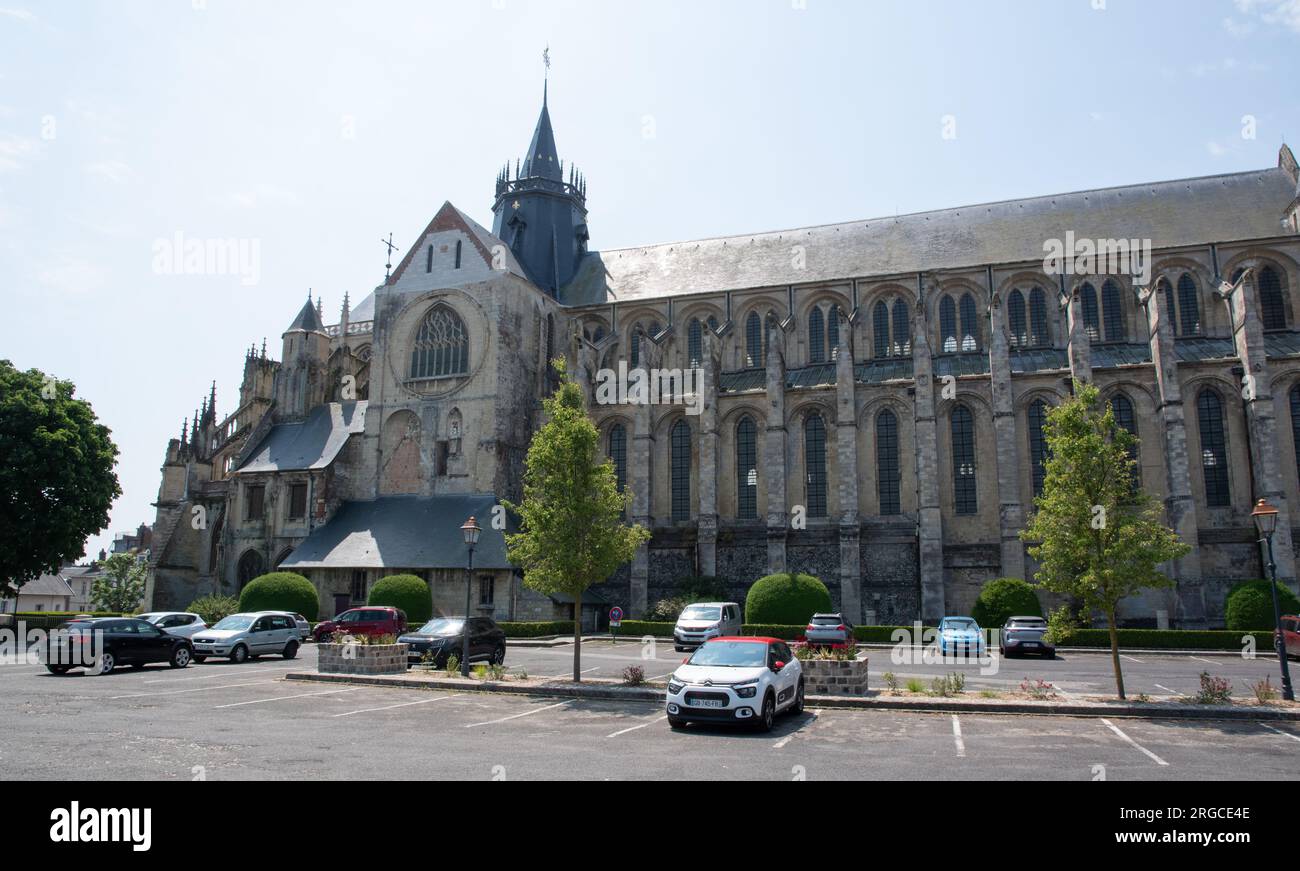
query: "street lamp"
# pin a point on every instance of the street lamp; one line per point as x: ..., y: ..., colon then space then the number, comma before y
x: 471, y: 530
x: 1266, y: 521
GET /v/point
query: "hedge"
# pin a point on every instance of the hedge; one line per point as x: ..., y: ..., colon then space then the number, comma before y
x: 1002, y: 598
x: 641, y: 628
x: 786, y: 599
x: 281, y: 591
x: 407, y: 592
x: 51, y: 619
x: 1249, y: 606
x: 536, y: 630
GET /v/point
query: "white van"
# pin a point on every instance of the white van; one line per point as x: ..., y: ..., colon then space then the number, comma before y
x: 704, y: 620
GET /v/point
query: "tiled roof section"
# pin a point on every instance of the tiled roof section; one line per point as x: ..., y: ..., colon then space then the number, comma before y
x: 404, y: 532
x: 973, y: 363
x: 307, y: 321
x: 1222, y: 208
x: 1282, y: 344
x: 46, y: 585
x: 879, y: 371
x: 451, y: 218
x: 1039, y: 360
x: 312, y: 443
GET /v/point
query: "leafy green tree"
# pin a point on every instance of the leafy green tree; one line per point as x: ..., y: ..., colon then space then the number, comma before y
x: 122, y: 585
x: 1098, y: 538
x: 56, y: 475
x: 214, y: 608
x: 572, y: 532
x: 1002, y: 598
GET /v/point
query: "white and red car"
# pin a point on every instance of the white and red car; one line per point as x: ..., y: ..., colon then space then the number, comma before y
x: 736, y: 679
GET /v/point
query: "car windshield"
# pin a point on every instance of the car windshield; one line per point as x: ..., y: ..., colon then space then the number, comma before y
x: 441, y: 627
x: 826, y: 620
x: 152, y: 618
x: 1028, y: 624
x: 234, y: 622
x: 734, y: 654
x: 701, y: 612
x: 959, y: 625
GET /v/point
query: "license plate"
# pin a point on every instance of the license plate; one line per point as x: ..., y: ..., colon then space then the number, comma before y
x: 1031, y: 644
x: 706, y: 703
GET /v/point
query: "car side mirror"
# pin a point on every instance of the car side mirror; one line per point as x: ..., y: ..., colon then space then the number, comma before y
x: 778, y: 665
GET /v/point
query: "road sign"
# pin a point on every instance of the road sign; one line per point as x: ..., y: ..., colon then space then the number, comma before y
x: 615, y: 616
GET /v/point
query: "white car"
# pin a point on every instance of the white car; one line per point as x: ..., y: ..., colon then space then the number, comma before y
x: 180, y: 623
x: 736, y: 679
x: 240, y: 636
x: 701, y: 621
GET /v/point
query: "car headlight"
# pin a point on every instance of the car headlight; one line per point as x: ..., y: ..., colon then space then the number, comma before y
x: 675, y: 686
x: 747, y: 691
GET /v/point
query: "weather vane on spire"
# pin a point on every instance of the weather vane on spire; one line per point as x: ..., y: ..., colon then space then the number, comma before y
x: 546, y: 59
x: 388, y: 267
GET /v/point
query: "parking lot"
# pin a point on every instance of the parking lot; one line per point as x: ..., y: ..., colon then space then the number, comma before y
x: 219, y: 721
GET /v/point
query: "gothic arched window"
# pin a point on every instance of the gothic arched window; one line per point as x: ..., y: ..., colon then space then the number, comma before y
x: 1091, y: 316
x: 1214, y: 451
x: 947, y: 325
x: 1295, y: 423
x: 1016, y: 323
x: 888, y: 477
x: 880, y: 329
x: 1112, y: 311
x: 695, y: 342
x: 963, y: 460
x: 753, y: 341
x: 1272, y: 307
x: 970, y: 330
x: 1038, y: 336
x: 618, y: 453
x: 1122, y: 407
x: 441, y: 346
x: 902, y: 344
x: 680, y: 470
x: 833, y: 332
x: 1038, y: 445
x: 634, y: 353
x: 1167, y: 294
x: 814, y: 459
x: 746, y: 469
x: 816, y: 336
x: 1189, y: 310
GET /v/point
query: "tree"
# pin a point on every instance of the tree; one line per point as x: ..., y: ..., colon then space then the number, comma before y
x: 1099, y: 539
x: 1003, y: 598
x: 572, y: 532
x: 122, y: 585
x: 56, y: 475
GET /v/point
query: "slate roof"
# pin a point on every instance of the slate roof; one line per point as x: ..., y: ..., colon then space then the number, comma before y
x: 46, y: 585
x: 312, y: 443
x: 308, y: 320
x: 404, y: 532
x: 1222, y: 208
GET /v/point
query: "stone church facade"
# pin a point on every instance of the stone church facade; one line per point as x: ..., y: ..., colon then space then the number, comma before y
x: 871, y: 399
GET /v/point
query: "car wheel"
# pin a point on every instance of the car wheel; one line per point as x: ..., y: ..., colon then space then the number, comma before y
x: 57, y: 669
x: 677, y: 722
x: 181, y: 657
x: 768, y: 716
x: 198, y: 658
x: 797, y: 707
x: 499, y: 655
x: 239, y: 654
x: 290, y: 650
x: 105, y: 663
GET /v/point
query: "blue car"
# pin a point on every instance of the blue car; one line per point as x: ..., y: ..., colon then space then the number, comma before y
x: 960, y: 635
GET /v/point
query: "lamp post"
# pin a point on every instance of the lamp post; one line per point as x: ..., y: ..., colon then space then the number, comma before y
x: 1265, y: 516
x: 470, y: 530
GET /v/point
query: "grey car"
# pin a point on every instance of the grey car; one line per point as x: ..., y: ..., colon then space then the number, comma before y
x: 241, y: 636
x: 1021, y: 635
x: 829, y: 629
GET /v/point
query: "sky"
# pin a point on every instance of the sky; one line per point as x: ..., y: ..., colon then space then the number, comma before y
x: 308, y: 130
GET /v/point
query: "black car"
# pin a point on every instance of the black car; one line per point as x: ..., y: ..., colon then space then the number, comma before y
x: 101, y: 644
x: 442, y: 637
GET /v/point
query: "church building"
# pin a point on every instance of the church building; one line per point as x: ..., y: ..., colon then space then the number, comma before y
x: 869, y: 410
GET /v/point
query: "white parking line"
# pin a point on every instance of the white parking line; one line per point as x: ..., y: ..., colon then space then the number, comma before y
x: 1161, y: 686
x: 956, y: 736
x: 812, y: 718
x: 283, y: 698
x: 218, y: 673
x: 662, y: 676
x: 1203, y: 659
x: 401, y: 705
x: 634, y: 728
x: 1281, y: 732
x: 570, y: 673
x: 1116, y: 730
x: 1129, y: 658
x: 195, y: 690
x: 517, y: 716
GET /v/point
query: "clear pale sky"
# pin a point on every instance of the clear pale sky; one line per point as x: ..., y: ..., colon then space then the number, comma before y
x: 314, y: 128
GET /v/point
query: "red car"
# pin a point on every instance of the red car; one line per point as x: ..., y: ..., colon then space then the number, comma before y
x: 1291, y: 635
x: 370, y: 621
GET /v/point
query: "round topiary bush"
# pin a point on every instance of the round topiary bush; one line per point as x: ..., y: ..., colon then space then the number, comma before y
x: 407, y: 592
x: 281, y: 591
x: 1001, y: 598
x: 786, y: 599
x: 1249, y: 606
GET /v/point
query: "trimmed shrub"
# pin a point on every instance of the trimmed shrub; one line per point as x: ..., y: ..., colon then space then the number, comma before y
x: 638, y: 628
x: 281, y: 591
x: 787, y: 599
x: 407, y: 592
x: 537, y: 630
x: 214, y: 608
x: 776, y: 630
x: 1250, y: 606
x: 1001, y: 598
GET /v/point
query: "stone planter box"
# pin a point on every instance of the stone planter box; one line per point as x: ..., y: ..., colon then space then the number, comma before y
x: 828, y: 677
x: 361, y: 658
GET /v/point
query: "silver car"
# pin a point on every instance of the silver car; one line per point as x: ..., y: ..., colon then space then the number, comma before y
x: 241, y: 636
x: 704, y: 620
x: 304, y: 626
x: 180, y: 623
x: 830, y: 629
